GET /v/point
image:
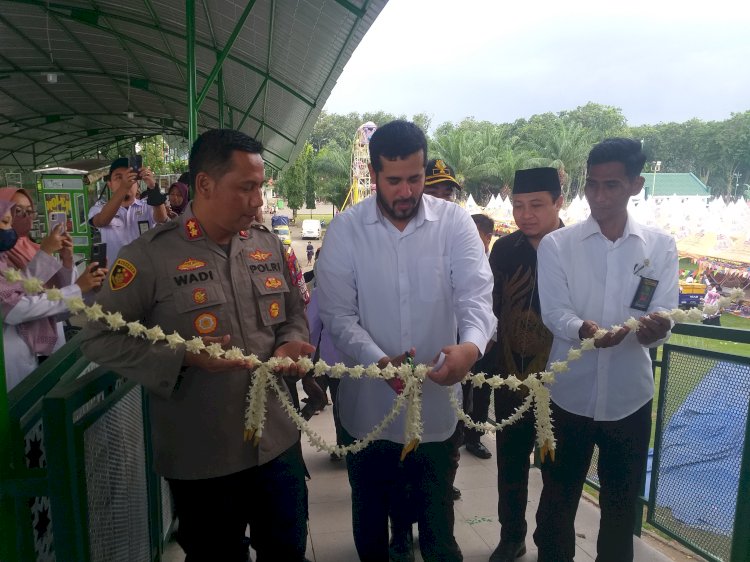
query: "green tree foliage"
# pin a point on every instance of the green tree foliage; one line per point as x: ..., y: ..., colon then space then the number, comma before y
x: 485, y: 155
x: 293, y: 181
x: 332, y: 170
x: 565, y: 146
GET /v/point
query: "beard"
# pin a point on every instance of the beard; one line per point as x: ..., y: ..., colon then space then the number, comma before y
x: 390, y: 210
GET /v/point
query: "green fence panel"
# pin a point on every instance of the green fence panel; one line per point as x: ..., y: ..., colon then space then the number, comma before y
x: 25, y: 517
x: 101, y: 488
x: 689, y: 499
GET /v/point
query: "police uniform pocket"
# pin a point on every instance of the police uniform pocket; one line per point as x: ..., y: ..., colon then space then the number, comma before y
x: 269, y: 283
x: 272, y: 308
x: 433, y: 279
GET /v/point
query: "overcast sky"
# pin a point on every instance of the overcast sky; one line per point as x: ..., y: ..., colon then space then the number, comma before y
x: 500, y: 60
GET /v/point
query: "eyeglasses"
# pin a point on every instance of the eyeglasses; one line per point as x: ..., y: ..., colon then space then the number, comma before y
x: 23, y: 211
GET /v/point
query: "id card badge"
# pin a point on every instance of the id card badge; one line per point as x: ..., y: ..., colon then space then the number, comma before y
x: 644, y: 294
x: 143, y: 226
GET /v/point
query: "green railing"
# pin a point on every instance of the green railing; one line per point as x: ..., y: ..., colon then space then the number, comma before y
x: 75, y: 461
x: 708, y: 390
x: 675, y: 383
x: 76, y: 483
x: 25, y: 533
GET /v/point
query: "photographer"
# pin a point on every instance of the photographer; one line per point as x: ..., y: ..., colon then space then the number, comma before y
x: 124, y: 217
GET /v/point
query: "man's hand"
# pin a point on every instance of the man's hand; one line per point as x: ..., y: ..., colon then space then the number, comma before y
x: 611, y: 339
x: 148, y: 177
x: 205, y: 362
x: 396, y: 384
x: 653, y: 328
x: 458, y: 360
x: 316, y: 396
x: 294, y: 350
x: 92, y: 278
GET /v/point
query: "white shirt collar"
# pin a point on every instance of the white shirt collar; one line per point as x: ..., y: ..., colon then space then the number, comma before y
x: 632, y: 227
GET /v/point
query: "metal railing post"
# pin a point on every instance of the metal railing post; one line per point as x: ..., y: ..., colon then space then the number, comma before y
x: 7, y: 519
x: 741, y: 534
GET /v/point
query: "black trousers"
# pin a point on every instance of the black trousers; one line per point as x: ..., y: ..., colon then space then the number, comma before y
x: 623, y: 448
x: 478, y: 404
x: 379, y: 481
x: 515, y: 444
x: 272, y: 498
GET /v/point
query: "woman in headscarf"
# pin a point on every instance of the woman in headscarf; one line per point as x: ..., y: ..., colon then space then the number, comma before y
x: 30, y: 327
x: 178, y: 196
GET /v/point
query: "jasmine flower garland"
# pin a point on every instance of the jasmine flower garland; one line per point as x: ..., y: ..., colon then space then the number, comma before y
x: 264, y: 378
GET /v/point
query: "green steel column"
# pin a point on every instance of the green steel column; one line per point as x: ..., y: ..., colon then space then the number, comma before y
x: 7, y: 520
x: 191, y: 71
x: 741, y: 534
x: 220, y: 80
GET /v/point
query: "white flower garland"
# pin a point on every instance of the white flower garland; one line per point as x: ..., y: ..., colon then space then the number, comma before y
x: 264, y: 378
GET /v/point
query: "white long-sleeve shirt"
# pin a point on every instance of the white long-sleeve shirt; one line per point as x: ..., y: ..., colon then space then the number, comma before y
x: 383, y: 291
x: 19, y: 359
x: 585, y: 276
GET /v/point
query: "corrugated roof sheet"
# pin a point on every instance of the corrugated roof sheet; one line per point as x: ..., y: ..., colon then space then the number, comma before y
x: 112, y: 57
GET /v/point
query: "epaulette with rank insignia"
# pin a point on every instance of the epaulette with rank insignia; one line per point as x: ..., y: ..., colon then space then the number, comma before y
x: 259, y: 226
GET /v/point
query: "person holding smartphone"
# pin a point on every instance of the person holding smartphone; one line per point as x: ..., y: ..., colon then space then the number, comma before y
x: 124, y: 217
x: 31, y: 328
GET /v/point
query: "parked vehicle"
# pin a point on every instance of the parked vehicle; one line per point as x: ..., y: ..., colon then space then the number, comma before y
x: 282, y: 231
x: 311, y: 229
x: 279, y: 220
x: 691, y: 294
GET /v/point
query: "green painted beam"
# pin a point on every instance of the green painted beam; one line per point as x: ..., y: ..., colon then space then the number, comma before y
x: 154, y: 16
x: 66, y: 10
x: 191, y: 71
x: 359, y: 12
x: 222, y: 56
x: 246, y: 114
x: 73, y: 37
x: 44, y: 53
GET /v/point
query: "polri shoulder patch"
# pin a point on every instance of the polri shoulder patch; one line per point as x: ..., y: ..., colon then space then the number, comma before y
x: 122, y: 274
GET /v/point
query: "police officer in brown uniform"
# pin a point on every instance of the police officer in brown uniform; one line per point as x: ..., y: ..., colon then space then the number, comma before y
x: 210, y: 274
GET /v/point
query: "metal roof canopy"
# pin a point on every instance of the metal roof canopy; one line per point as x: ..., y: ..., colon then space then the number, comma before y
x: 77, y: 75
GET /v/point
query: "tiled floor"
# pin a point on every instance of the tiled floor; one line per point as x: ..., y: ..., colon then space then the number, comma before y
x: 477, y: 529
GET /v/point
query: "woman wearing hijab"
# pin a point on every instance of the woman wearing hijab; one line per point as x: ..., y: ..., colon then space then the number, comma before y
x: 178, y: 196
x: 30, y: 329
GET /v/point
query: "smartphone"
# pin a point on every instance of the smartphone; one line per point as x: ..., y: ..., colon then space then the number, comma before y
x: 99, y: 254
x: 136, y: 162
x: 56, y: 218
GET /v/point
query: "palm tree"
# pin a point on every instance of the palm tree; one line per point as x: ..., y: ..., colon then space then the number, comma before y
x: 565, y: 147
x: 331, y: 167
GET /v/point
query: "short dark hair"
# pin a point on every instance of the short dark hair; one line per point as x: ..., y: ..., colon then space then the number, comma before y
x: 212, y: 151
x: 626, y: 151
x: 394, y: 140
x: 484, y: 223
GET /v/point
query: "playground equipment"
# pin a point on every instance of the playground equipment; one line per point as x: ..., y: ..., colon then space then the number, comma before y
x: 361, y: 183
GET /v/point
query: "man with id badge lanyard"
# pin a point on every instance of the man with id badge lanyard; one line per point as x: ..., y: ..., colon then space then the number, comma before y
x: 124, y: 218
x: 595, y: 275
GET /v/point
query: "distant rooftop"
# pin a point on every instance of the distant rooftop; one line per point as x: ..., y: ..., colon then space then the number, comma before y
x: 664, y: 185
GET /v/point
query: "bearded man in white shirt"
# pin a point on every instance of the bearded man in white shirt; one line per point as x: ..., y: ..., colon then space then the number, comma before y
x: 403, y: 273
x: 595, y: 275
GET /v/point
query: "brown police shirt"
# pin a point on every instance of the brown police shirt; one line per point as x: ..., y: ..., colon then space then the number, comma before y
x: 175, y: 277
